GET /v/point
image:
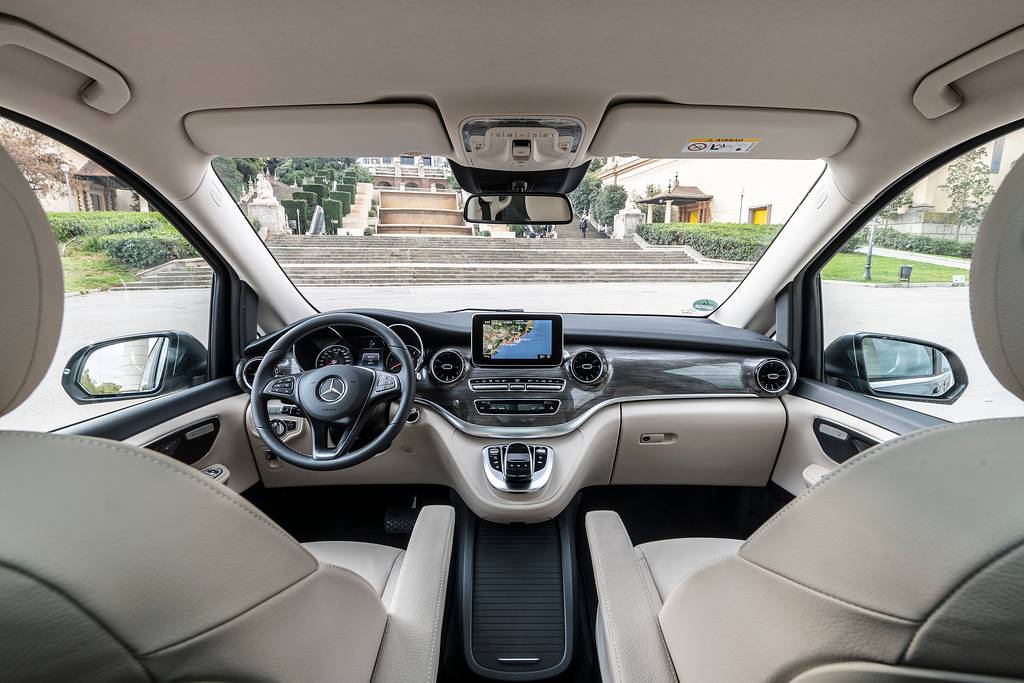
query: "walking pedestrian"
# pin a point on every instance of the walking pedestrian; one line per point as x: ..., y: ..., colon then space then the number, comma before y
x: 584, y: 224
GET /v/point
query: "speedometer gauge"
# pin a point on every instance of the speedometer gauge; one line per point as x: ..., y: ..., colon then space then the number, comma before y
x: 394, y: 364
x: 336, y: 354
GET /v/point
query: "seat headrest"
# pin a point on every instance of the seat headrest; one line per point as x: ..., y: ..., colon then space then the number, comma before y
x: 31, y: 288
x: 997, y: 284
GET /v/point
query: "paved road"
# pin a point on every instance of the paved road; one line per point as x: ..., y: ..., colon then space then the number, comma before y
x: 936, y: 313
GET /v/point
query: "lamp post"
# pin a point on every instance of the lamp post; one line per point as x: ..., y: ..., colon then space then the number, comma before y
x: 871, y: 245
x: 65, y: 168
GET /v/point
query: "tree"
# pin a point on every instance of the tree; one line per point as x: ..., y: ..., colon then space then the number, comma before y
x: 585, y: 194
x: 610, y: 201
x: 37, y: 156
x: 969, y: 189
x: 363, y: 174
x: 229, y: 174
x: 658, y: 210
x: 892, y: 209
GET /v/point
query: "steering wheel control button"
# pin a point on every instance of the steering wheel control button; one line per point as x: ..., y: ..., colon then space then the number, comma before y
x: 279, y: 427
x: 331, y: 389
x: 517, y: 467
x: 387, y: 382
x: 284, y: 385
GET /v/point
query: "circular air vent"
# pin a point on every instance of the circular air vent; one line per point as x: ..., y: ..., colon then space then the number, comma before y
x: 772, y: 376
x: 586, y: 366
x: 249, y: 372
x: 447, y: 366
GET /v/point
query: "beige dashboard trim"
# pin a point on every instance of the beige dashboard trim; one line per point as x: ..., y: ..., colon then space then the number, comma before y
x: 563, y: 428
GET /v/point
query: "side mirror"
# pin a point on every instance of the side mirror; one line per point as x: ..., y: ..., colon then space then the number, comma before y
x: 887, y: 366
x: 518, y: 209
x: 136, y: 366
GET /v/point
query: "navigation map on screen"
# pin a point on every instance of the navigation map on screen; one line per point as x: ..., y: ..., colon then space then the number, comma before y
x: 513, y: 339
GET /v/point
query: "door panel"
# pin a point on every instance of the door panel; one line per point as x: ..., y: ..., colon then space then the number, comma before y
x: 230, y: 447
x: 801, y: 446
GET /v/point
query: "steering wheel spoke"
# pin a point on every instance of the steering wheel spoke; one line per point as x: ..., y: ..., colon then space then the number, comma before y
x: 386, y: 387
x: 283, y: 387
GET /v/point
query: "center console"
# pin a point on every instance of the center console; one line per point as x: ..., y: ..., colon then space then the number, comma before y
x: 517, y: 467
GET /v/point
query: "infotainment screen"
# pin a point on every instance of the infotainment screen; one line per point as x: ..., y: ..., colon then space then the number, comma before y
x: 506, y: 340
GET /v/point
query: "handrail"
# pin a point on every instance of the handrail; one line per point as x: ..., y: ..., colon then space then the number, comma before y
x: 936, y: 95
x: 106, y: 90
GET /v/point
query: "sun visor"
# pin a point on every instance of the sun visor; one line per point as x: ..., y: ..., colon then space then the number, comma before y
x: 657, y: 131
x: 323, y: 130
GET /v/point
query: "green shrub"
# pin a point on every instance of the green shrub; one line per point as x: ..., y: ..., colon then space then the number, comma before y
x: 345, y: 198
x: 317, y: 189
x: 922, y: 244
x: 372, y: 213
x: 728, y: 241
x: 367, y: 232
x: 293, y: 205
x: 142, y: 250
x: 347, y: 187
x: 309, y: 197
x: 332, y: 216
x: 69, y: 225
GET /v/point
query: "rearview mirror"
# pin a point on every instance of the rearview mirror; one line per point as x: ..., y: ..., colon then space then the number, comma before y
x: 887, y: 366
x: 136, y: 366
x: 519, y: 209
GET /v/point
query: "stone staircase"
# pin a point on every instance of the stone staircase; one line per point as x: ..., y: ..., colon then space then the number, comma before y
x: 405, y: 212
x: 356, y: 220
x: 324, y: 261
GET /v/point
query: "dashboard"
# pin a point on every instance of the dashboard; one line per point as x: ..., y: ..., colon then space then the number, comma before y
x: 581, y: 363
x: 518, y: 415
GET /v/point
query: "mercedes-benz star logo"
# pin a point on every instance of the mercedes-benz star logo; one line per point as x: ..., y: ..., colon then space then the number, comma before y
x: 331, y: 390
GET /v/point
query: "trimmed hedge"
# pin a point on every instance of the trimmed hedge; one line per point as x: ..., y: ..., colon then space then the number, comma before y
x: 332, y: 216
x: 309, y: 197
x: 316, y: 188
x: 293, y: 205
x: 345, y: 198
x: 727, y: 241
x: 921, y: 244
x: 348, y: 187
x: 70, y: 225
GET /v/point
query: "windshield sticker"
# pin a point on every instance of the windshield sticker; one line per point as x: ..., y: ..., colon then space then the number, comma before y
x: 721, y: 145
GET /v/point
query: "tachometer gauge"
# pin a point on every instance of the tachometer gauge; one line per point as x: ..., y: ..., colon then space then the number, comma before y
x: 336, y: 354
x: 394, y: 364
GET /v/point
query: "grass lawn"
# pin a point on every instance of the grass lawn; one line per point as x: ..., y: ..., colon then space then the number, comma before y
x: 850, y: 268
x: 92, y: 271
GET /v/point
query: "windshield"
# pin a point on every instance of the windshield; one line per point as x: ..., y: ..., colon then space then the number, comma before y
x: 651, y: 236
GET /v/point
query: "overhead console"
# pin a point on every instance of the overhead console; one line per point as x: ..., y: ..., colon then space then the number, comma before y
x: 521, y: 144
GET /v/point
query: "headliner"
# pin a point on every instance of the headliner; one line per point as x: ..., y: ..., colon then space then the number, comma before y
x: 471, y: 58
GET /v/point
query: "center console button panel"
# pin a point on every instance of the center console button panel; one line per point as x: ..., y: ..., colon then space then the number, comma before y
x: 520, y: 383
x: 517, y: 467
x: 523, y: 406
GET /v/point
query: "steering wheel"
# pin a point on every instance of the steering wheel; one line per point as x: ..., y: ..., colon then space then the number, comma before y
x: 339, y: 396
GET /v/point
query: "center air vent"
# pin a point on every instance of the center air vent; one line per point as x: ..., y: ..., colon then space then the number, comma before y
x: 586, y: 366
x: 447, y: 366
x: 772, y: 376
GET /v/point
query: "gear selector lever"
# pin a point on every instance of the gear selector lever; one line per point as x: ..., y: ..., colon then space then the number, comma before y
x: 517, y: 467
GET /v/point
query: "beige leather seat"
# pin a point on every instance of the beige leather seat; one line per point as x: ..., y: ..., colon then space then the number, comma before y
x: 119, y: 564
x: 908, y: 557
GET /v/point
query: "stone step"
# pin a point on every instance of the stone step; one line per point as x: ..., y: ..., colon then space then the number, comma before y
x: 392, y: 256
x: 413, y: 229
x: 460, y: 241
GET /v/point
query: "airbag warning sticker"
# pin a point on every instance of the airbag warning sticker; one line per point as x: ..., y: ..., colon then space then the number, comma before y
x: 721, y: 145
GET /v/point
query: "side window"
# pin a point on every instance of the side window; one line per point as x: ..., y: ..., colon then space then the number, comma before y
x: 137, y: 296
x: 907, y: 274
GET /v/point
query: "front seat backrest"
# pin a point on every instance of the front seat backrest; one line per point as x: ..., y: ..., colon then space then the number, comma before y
x: 31, y: 288
x: 119, y: 564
